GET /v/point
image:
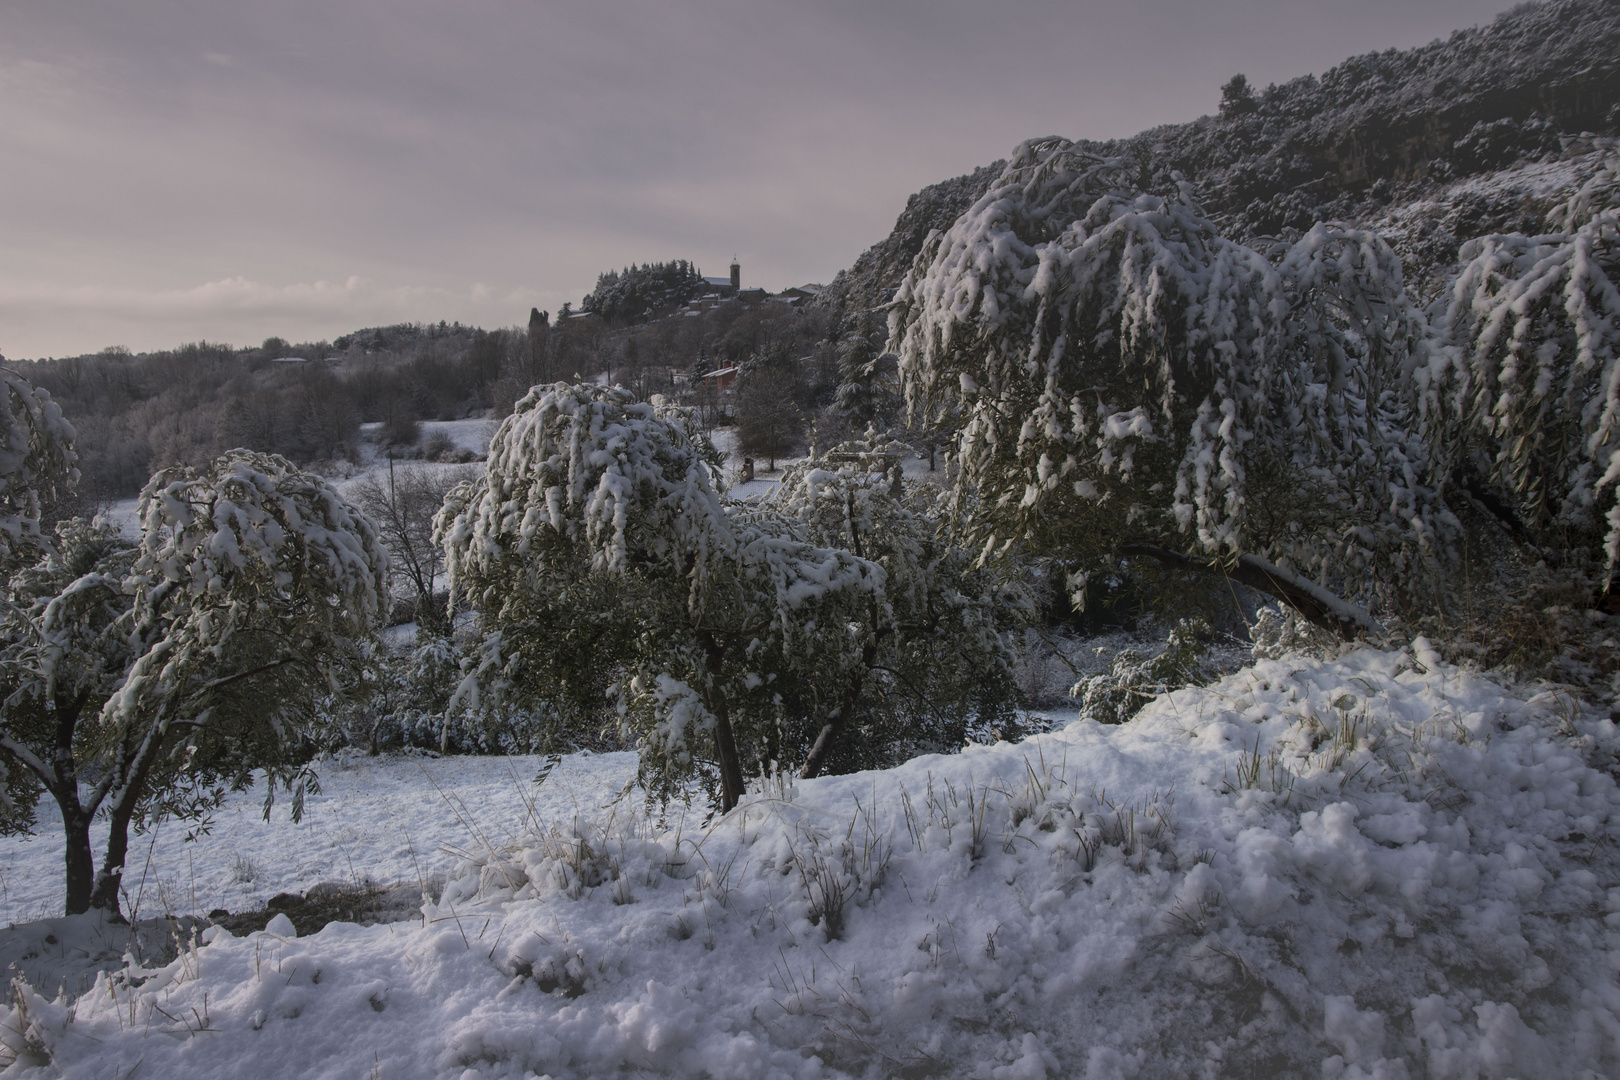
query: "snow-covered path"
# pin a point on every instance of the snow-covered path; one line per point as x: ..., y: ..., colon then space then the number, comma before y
x: 386, y: 819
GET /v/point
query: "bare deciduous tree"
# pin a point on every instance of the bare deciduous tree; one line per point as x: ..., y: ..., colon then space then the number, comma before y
x: 403, y: 505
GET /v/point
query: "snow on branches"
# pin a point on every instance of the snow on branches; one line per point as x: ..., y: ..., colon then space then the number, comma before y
x: 1530, y: 391
x: 594, y: 470
x: 177, y: 665
x: 925, y: 655
x: 37, y: 461
x: 251, y: 542
x: 1128, y: 375
x: 603, y: 560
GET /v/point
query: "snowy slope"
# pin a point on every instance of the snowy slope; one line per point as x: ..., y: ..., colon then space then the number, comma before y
x: 1378, y: 866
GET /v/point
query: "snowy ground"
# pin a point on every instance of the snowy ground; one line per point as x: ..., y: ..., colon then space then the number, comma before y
x: 1379, y: 866
x: 387, y: 820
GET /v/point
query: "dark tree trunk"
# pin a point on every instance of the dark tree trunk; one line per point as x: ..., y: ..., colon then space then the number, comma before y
x: 817, y: 758
x: 731, y: 774
x: 81, y: 861
x: 834, y: 727
x: 725, y: 739
x: 125, y: 798
x: 110, y: 880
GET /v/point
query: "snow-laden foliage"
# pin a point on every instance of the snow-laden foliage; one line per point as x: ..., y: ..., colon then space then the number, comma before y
x: 37, y: 461
x: 592, y: 470
x: 66, y: 628
x: 250, y: 554
x: 181, y: 665
x: 603, y: 561
x: 1376, y: 866
x: 926, y: 658
x: 399, y: 697
x: 1133, y: 678
x: 1128, y: 376
x: 1530, y: 390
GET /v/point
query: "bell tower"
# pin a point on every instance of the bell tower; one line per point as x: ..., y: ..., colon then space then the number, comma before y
x: 736, y: 274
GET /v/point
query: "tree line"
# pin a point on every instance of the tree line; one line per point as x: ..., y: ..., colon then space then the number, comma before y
x: 136, y: 414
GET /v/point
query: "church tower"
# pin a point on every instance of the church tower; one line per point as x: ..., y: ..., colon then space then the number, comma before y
x: 736, y: 274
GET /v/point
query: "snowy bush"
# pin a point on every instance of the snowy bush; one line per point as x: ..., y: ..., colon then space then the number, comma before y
x: 399, y: 698
x: 1278, y: 631
x: 928, y: 657
x: 1132, y: 679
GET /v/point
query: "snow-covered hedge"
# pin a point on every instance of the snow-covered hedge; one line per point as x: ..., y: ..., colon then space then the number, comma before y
x: 1375, y: 866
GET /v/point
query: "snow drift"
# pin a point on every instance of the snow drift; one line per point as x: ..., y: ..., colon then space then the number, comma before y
x: 1378, y: 866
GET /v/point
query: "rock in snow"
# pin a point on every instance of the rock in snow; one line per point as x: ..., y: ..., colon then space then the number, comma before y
x: 1376, y: 866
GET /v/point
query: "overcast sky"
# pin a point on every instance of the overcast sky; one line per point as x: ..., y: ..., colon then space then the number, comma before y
x: 231, y: 169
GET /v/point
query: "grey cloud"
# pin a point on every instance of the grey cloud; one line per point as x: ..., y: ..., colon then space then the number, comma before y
x: 428, y: 146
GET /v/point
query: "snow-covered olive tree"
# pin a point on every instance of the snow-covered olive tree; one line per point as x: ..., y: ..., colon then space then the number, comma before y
x: 144, y: 679
x: 37, y: 462
x: 1529, y: 393
x: 926, y: 656
x: 604, y: 563
x: 1131, y: 383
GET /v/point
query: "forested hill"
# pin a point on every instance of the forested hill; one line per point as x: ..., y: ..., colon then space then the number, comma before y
x: 1374, y: 134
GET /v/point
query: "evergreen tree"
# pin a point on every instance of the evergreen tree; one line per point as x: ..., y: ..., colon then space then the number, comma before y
x: 1528, y: 391
x: 143, y: 680
x: 1133, y: 384
x: 603, y: 562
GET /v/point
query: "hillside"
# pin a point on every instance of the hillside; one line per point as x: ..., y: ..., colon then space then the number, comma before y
x: 1363, y: 141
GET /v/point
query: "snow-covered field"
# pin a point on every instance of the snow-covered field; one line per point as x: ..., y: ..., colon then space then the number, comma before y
x: 1379, y: 866
x: 387, y: 820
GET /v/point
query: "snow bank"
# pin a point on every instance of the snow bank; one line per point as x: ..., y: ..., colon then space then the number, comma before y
x: 1362, y: 868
